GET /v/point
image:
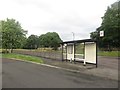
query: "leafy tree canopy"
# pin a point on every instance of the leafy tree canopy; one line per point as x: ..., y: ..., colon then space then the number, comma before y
x: 50, y: 39
x: 12, y: 34
x: 110, y: 26
x: 32, y: 42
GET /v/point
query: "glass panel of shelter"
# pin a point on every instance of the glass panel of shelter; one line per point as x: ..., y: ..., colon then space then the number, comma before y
x: 79, y: 51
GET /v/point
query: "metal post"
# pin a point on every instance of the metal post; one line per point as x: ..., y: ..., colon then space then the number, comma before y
x: 73, y: 36
x: 84, y: 55
x: 66, y: 52
x: 74, y: 52
x: 96, y: 54
x: 62, y: 52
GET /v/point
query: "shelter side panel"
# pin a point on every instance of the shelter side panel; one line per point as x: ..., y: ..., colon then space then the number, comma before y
x: 90, y: 53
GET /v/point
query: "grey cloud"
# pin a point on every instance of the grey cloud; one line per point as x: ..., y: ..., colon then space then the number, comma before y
x: 63, y: 22
x: 37, y: 3
x: 66, y: 26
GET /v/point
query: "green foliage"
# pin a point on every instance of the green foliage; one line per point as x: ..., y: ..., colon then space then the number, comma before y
x: 107, y: 53
x: 50, y: 39
x: 111, y: 28
x: 32, y: 42
x: 22, y: 57
x: 12, y: 34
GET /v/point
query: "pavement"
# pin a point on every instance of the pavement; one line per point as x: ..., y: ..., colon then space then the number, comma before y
x: 107, y: 67
x: 19, y: 74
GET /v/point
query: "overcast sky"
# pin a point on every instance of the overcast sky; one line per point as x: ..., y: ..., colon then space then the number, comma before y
x: 61, y: 16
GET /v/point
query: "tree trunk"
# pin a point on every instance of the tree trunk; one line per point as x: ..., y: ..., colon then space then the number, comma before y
x: 12, y: 50
x: 6, y: 51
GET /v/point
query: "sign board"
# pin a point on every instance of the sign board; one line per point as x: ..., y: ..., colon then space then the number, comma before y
x: 101, y: 33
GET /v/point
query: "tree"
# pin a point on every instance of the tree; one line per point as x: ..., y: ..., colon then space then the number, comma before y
x: 12, y: 34
x: 43, y: 41
x: 110, y: 26
x: 32, y: 42
x: 50, y: 39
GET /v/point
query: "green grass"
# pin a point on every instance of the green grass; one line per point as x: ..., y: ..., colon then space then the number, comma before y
x: 23, y: 57
x: 109, y: 53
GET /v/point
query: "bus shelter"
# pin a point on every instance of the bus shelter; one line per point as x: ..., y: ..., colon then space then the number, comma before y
x: 80, y: 50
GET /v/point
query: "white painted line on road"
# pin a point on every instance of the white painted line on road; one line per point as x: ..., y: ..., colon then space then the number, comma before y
x: 46, y: 65
x: 59, y: 68
x: 54, y: 66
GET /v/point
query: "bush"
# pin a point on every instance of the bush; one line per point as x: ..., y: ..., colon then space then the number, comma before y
x: 5, y: 51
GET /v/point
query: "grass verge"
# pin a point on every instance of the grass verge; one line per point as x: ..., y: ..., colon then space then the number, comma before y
x: 22, y: 57
x: 109, y: 53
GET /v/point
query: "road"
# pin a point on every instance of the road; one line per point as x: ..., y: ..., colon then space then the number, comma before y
x: 17, y: 74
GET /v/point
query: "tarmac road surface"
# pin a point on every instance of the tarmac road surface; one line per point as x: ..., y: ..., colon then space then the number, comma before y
x: 17, y: 74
